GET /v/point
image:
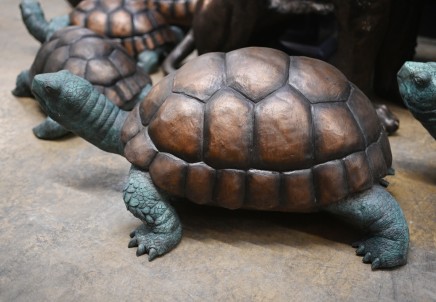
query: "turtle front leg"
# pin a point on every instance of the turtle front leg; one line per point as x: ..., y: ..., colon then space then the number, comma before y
x: 161, y: 230
x: 49, y: 129
x: 377, y: 213
x: 22, y: 85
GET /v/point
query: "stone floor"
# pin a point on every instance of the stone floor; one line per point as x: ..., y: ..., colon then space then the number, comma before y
x: 64, y: 228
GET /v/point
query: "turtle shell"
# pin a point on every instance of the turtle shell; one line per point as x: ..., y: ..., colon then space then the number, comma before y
x: 101, y: 61
x: 129, y: 22
x: 255, y: 128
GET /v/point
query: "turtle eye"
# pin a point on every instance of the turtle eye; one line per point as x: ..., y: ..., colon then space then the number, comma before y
x: 421, y: 80
x: 50, y: 89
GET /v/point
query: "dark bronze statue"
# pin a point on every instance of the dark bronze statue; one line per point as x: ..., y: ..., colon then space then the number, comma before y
x: 101, y: 61
x: 254, y: 129
x: 144, y: 33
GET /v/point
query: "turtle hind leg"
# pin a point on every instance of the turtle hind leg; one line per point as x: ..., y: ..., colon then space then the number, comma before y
x: 22, y: 85
x: 148, y: 60
x: 161, y: 230
x: 377, y: 213
x: 49, y: 129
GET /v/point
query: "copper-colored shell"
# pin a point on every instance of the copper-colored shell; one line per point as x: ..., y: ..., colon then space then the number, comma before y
x: 129, y: 22
x: 255, y: 128
x: 102, y: 62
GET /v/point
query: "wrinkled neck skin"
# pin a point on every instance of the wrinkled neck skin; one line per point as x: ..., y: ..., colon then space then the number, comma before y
x: 98, y: 121
x: 425, y: 115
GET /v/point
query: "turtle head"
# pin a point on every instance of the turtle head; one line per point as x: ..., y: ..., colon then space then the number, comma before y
x: 61, y: 94
x: 417, y: 85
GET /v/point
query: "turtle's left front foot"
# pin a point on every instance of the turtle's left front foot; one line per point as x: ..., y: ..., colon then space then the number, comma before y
x: 383, y: 252
x: 154, y: 244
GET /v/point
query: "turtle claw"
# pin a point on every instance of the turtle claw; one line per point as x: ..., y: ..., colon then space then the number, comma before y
x: 141, y: 250
x: 360, y: 250
x: 381, y: 252
x: 154, y: 244
x: 152, y: 253
x: 133, y: 243
x: 375, y: 264
x: 367, y: 258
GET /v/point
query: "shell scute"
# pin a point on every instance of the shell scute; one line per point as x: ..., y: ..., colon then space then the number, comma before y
x: 57, y: 59
x: 283, y: 136
x: 200, y: 179
x: 362, y: 110
x: 358, y: 171
x: 155, y: 99
x: 263, y: 190
x: 228, y: 131
x: 76, y: 66
x: 268, y: 71
x: 90, y: 47
x: 101, y: 72
x: 298, y: 193
x: 96, y: 22
x: 336, y: 132
x: 169, y: 172
x: 229, y: 188
x: 120, y: 23
x: 330, y: 181
x: 318, y: 81
x: 195, y: 80
x: 178, y: 127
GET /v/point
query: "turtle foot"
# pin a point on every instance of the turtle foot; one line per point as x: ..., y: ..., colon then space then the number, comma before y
x: 49, y: 129
x: 154, y: 244
x: 389, y: 120
x: 22, y: 85
x: 382, y: 252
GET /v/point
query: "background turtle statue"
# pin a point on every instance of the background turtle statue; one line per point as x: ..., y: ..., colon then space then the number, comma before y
x: 417, y: 85
x: 101, y: 61
x: 254, y: 129
x: 143, y: 32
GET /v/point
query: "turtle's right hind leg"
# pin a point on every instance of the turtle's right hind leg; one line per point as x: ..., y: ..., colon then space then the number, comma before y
x: 22, y: 85
x: 49, y: 129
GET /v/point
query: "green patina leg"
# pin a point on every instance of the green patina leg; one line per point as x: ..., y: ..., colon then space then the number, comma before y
x: 22, y: 85
x: 161, y: 230
x: 377, y: 213
x: 148, y: 60
x: 49, y: 129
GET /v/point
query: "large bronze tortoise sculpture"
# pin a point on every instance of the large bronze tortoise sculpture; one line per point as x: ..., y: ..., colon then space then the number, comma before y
x: 253, y: 128
x: 143, y: 32
x: 86, y: 54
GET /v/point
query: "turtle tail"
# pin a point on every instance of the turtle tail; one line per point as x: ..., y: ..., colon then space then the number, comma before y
x: 179, y: 53
x: 36, y: 24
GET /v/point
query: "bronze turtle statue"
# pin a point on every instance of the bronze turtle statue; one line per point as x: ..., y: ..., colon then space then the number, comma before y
x: 143, y: 32
x: 86, y: 54
x: 417, y: 86
x: 253, y: 129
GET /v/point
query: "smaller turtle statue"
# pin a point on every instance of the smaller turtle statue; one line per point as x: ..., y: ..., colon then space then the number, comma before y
x: 101, y: 61
x: 252, y: 128
x: 143, y: 32
x: 417, y: 85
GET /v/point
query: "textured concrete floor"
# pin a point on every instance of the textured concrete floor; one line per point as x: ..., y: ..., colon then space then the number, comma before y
x: 64, y: 228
